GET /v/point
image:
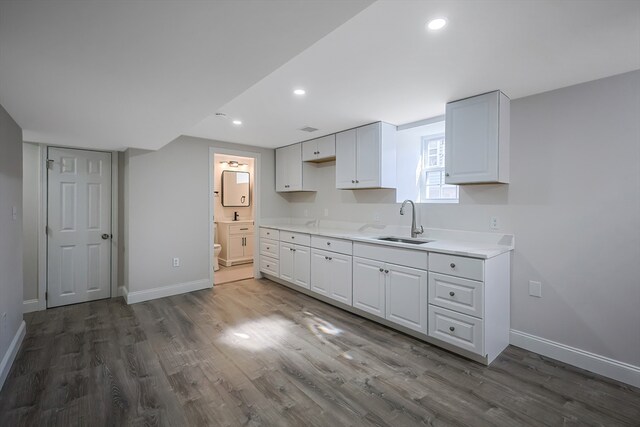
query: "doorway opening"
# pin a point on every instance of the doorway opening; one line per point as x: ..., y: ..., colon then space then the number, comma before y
x: 234, y: 213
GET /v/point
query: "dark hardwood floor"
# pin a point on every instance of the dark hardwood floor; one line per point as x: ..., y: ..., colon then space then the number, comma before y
x: 256, y: 353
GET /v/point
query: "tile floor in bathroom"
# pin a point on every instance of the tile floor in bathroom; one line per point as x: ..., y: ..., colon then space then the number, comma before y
x: 233, y: 273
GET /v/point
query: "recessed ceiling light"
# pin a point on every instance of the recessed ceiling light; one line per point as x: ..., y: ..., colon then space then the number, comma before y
x: 237, y: 122
x: 299, y: 91
x: 436, y: 24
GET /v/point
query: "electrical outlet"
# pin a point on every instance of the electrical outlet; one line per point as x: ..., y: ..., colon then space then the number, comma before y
x: 326, y: 211
x: 176, y: 262
x: 494, y: 223
x: 535, y: 289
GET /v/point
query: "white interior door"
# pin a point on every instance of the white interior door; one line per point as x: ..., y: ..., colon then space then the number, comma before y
x: 79, y: 226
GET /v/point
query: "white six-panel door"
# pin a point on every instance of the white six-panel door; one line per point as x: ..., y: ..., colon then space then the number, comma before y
x: 78, y: 226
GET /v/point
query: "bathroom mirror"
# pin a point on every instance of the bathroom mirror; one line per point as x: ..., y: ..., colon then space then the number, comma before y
x: 235, y: 188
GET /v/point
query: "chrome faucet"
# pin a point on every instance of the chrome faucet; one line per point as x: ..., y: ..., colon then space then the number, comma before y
x: 414, y: 229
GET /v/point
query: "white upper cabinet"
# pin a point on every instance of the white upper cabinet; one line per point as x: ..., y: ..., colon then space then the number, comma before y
x: 366, y: 157
x: 477, y: 140
x: 319, y: 149
x: 291, y: 173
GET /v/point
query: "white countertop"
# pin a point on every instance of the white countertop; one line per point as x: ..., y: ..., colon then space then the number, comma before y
x: 464, y: 243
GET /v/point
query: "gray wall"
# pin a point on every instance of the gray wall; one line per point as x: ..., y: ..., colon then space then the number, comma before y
x: 10, y: 230
x: 31, y: 209
x: 573, y: 204
x: 166, y: 210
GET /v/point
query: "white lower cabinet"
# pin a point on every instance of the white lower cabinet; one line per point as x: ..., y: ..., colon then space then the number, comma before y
x: 390, y: 291
x: 463, y: 331
x: 369, y: 286
x: 406, y: 295
x: 295, y: 264
x: 331, y: 275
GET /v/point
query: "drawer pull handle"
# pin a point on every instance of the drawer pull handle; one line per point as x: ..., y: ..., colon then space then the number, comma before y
x: 452, y: 265
x: 330, y: 258
x: 353, y: 181
x: 451, y: 328
x: 268, y: 266
x: 328, y: 243
x: 293, y: 237
x: 386, y: 271
x: 381, y: 270
x: 244, y: 229
x: 452, y: 293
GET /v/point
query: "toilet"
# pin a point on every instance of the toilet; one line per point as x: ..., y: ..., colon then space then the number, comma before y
x: 216, y: 248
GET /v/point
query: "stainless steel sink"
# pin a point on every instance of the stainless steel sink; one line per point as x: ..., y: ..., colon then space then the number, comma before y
x: 404, y: 240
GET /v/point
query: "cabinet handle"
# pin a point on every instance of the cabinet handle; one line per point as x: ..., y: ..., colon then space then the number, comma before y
x: 452, y: 265
x: 243, y: 229
x: 381, y: 270
x: 357, y: 182
x: 452, y: 293
x: 268, y: 248
x: 353, y: 181
x: 446, y: 174
x: 268, y: 266
x: 328, y: 243
x: 451, y: 328
x: 294, y: 250
x: 386, y: 271
x: 330, y: 258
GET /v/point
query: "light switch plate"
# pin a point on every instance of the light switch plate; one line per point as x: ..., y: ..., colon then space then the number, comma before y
x: 535, y: 289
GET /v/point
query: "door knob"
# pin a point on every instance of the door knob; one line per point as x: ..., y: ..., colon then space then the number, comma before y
x: 105, y: 236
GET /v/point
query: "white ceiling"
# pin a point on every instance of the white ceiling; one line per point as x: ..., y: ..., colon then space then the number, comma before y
x: 383, y: 65
x: 112, y: 74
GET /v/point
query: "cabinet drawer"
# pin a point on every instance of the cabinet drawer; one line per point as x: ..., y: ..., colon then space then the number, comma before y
x: 269, y: 248
x: 270, y: 266
x: 331, y: 244
x: 241, y: 229
x: 461, y: 295
x: 458, y: 329
x: 297, y: 238
x: 269, y: 233
x: 470, y: 268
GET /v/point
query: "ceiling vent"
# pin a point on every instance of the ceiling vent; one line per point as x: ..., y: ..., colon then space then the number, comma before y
x: 308, y: 129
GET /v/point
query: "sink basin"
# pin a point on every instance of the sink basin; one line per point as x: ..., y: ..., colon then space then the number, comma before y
x: 404, y: 240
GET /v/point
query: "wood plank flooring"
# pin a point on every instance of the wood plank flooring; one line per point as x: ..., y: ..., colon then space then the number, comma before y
x: 256, y: 353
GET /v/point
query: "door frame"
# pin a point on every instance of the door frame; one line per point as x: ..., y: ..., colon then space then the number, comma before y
x: 257, y: 157
x: 43, y: 219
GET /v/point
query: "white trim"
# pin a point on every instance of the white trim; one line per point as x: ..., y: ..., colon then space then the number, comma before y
x: 42, y: 236
x: 30, y: 305
x: 166, y: 291
x: 12, y: 351
x: 213, y: 150
x: 602, y: 365
x: 114, y: 224
x: 122, y: 292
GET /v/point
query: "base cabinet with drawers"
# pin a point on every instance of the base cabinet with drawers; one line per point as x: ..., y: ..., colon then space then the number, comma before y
x: 236, y: 239
x: 458, y: 302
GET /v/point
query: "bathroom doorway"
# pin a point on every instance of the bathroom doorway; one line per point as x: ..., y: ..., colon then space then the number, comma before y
x: 234, y: 207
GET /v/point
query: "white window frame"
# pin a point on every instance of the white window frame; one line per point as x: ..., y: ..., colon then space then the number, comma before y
x: 425, y: 169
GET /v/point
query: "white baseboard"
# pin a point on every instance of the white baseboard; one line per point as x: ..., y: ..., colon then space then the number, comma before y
x: 167, y: 291
x: 12, y: 351
x: 122, y: 292
x: 30, y: 306
x: 602, y: 365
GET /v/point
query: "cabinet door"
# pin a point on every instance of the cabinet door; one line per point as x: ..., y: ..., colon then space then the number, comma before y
x: 281, y: 169
x: 309, y: 150
x: 471, y: 147
x: 248, y: 245
x: 236, y: 247
x: 340, y: 277
x: 406, y: 292
x: 320, y: 277
x: 346, y: 159
x: 302, y: 266
x: 286, y: 261
x: 368, y: 286
x: 326, y: 147
x: 294, y: 158
x: 368, y: 155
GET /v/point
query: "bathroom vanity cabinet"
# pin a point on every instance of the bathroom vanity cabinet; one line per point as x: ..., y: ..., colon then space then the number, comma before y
x: 236, y: 238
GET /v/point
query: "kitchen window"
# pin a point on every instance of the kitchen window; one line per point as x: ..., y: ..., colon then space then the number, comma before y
x: 420, y: 163
x: 433, y: 187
